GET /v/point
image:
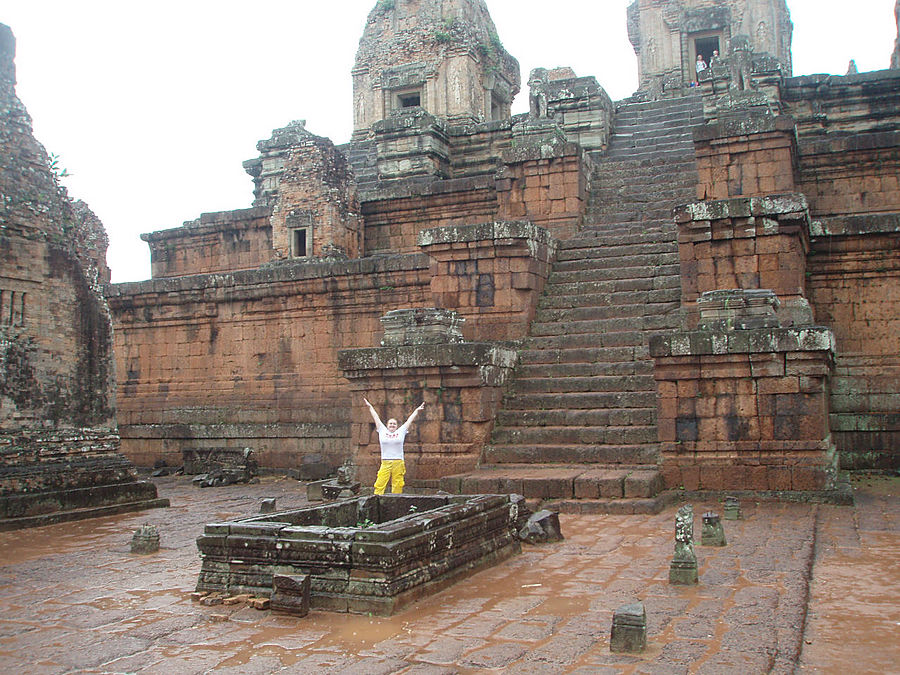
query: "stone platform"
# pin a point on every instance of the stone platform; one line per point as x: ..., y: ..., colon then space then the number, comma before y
x: 371, y: 555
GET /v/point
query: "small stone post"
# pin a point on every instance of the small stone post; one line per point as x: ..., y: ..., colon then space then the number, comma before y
x: 733, y: 509
x: 267, y: 506
x: 629, y: 629
x: 145, y: 540
x: 713, y: 534
x: 683, y: 569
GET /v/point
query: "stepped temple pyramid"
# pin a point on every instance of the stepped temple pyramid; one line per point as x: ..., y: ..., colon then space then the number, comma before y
x: 694, y: 288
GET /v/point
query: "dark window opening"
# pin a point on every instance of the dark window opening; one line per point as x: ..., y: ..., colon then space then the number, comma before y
x: 706, y: 46
x: 496, y: 108
x: 410, y: 100
x: 300, y: 242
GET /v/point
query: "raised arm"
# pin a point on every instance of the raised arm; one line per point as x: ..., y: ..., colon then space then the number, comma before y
x: 374, y: 414
x: 413, y: 416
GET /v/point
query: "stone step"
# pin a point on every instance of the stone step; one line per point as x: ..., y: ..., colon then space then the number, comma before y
x: 647, y: 232
x: 581, y: 401
x: 605, y: 274
x: 634, y: 257
x: 573, y: 454
x: 651, y: 252
x: 675, y: 115
x: 611, y: 299
x: 615, y: 332
x: 574, y: 436
x: 615, y: 417
x: 593, y: 243
x: 649, y: 156
x: 583, y: 384
x: 575, y: 369
x: 600, y: 215
x: 577, y: 292
x: 603, y: 312
x: 591, y: 482
x: 572, y: 349
x: 619, y: 145
x: 594, y: 248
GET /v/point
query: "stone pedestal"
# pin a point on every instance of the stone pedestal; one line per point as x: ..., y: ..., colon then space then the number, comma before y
x: 491, y: 273
x: 461, y: 384
x: 732, y: 509
x: 712, y: 534
x: 629, y: 629
x: 747, y: 244
x: 745, y: 409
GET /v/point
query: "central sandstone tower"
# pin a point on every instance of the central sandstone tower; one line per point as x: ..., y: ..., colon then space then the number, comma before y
x: 441, y: 55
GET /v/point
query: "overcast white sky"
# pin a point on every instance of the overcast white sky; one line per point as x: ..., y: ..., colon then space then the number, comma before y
x: 152, y: 106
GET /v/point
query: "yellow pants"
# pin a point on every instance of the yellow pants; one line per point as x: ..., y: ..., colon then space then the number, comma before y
x: 393, y: 470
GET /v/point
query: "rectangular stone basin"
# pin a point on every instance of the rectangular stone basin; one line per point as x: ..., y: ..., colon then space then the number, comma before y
x: 371, y: 554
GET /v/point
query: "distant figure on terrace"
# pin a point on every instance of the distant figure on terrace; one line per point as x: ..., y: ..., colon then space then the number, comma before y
x: 391, y: 438
x: 701, y: 64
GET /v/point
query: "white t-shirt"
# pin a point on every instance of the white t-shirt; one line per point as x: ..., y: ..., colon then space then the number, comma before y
x: 392, y: 442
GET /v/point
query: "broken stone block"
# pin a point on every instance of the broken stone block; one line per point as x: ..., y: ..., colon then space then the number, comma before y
x: 542, y: 527
x: 683, y: 569
x: 732, y: 509
x: 629, y: 629
x: 259, y: 603
x: 145, y: 540
x: 712, y: 534
x: 236, y: 599
x: 333, y: 489
x: 212, y: 600
x: 291, y: 593
x: 267, y: 506
x: 314, y: 490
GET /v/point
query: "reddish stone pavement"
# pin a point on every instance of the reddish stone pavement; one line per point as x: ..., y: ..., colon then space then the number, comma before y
x: 74, y: 599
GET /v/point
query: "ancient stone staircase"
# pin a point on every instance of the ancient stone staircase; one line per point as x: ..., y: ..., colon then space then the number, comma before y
x: 578, y: 424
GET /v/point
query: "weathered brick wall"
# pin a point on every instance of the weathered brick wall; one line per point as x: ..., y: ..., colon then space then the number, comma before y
x: 250, y: 358
x: 395, y: 216
x: 546, y: 187
x: 857, y: 174
x: 216, y: 242
x: 854, y: 286
x: 750, y: 159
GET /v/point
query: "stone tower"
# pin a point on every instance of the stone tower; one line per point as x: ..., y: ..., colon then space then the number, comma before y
x: 440, y: 55
x: 58, y: 434
x: 895, y: 58
x: 668, y: 35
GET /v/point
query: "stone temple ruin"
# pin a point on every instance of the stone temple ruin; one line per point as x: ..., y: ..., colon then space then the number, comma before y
x: 692, y: 288
x: 695, y: 287
x: 59, y: 448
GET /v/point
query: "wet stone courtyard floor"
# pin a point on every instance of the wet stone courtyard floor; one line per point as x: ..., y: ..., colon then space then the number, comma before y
x: 799, y: 588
